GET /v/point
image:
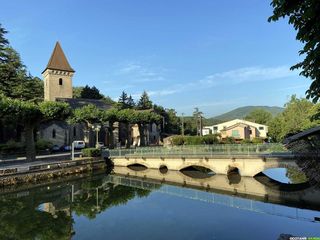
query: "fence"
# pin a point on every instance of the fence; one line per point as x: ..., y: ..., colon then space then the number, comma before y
x: 202, y: 150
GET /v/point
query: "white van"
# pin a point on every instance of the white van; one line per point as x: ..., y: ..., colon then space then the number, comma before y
x: 79, y: 144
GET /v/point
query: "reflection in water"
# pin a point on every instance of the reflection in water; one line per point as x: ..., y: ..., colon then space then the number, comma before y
x: 197, y: 172
x: 307, y: 152
x: 286, y: 175
x: 121, y: 206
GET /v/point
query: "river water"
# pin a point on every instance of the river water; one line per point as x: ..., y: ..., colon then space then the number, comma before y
x: 123, y: 205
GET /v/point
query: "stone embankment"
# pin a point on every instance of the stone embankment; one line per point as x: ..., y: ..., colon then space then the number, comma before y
x: 34, y: 172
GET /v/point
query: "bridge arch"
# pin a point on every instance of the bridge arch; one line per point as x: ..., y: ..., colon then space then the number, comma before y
x: 275, y: 185
x: 163, y: 169
x: 198, y: 164
x: 137, y: 166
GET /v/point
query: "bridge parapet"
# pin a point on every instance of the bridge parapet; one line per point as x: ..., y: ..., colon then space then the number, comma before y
x: 203, y: 150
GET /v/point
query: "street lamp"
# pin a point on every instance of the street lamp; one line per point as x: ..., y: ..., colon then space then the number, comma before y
x: 96, y: 127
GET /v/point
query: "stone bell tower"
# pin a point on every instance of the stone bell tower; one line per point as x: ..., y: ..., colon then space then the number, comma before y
x: 57, y: 76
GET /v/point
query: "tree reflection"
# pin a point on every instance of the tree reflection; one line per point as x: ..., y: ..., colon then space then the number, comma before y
x: 21, y: 219
x: 296, y: 176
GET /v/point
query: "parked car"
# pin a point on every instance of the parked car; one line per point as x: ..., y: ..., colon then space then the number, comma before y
x: 55, y: 148
x: 79, y: 144
x: 65, y: 148
x: 100, y: 145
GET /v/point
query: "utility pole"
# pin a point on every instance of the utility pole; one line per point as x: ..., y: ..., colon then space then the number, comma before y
x: 200, y: 124
x: 182, y: 124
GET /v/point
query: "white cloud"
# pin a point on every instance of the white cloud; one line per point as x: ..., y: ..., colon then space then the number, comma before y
x: 139, y: 73
x: 248, y: 74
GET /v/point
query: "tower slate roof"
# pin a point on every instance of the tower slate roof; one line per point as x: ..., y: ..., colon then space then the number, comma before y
x: 58, y: 60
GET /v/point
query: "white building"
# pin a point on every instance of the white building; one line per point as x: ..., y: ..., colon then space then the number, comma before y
x: 237, y: 128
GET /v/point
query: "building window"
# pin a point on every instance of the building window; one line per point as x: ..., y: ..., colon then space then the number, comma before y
x: 60, y: 81
x: 74, y: 131
x: 235, y: 133
x: 53, y: 133
x: 261, y: 128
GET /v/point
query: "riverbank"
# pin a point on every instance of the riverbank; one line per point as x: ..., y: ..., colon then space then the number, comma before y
x: 32, y: 172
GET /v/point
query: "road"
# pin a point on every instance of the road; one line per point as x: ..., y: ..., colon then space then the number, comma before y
x: 56, y: 156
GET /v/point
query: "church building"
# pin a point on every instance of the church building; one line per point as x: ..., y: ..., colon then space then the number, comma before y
x: 57, y: 77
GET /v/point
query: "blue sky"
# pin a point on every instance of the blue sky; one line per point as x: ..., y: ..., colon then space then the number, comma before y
x: 211, y: 54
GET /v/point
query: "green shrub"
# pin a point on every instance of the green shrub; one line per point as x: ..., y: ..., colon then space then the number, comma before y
x: 257, y: 140
x: 210, y: 139
x: 229, y: 140
x: 13, y: 147
x: 178, y: 140
x: 246, y: 141
x: 42, y: 144
x: 193, y: 140
x: 91, y: 152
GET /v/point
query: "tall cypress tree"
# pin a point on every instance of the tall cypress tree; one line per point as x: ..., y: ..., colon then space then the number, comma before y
x: 144, y: 102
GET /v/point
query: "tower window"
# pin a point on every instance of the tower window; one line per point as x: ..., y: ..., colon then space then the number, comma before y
x: 53, y: 133
x: 60, y: 81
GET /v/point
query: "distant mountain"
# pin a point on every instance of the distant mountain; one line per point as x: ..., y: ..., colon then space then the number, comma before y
x: 240, y: 113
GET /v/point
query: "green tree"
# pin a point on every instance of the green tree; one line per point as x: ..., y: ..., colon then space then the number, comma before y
x: 91, y: 93
x: 30, y: 115
x: 123, y: 100
x: 144, y: 102
x: 76, y: 92
x: 130, y: 102
x: 127, y: 117
x: 143, y: 118
x: 89, y: 115
x: 259, y: 116
x: 295, y: 118
x: 111, y: 116
x: 14, y: 80
x: 305, y: 18
x: 276, y: 126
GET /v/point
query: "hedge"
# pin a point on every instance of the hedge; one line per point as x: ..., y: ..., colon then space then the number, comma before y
x: 91, y: 152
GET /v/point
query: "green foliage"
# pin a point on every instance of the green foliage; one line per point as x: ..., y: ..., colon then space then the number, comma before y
x: 91, y: 152
x: 296, y: 176
x: 14, y: 80
x: 43, y: 144
x: 190, y: 127
x: 76, y: 92
x: 88, y: 114
x: 54, y: 111
x: 144, y: 102
x: 257, y: 140
x: 210, y: 139
x: 91, y: 93
x: 296, y: 117
x: 194, y: 140
x: 30, y: 115
x: 246, y: 141
x: 305, y: 18
x: 259, y: 116
x: 12, y: 147
x: 125, y: 101
x: 229, y: 140
x: 177, y: 140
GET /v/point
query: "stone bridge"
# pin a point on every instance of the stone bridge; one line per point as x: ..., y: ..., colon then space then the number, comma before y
x: 247, y: 166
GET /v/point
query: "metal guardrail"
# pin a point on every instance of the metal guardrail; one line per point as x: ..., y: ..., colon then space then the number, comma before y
x: 202, y: 150
x: 6, y: 171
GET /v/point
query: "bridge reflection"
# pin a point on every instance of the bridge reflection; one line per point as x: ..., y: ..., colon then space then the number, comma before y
x: 252, y: 194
